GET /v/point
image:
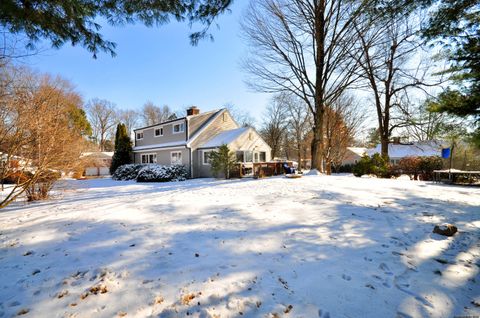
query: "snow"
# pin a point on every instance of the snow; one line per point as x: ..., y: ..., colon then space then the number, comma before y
x: 318, y: 246
x: 225, y: 137
x: 417, y: 149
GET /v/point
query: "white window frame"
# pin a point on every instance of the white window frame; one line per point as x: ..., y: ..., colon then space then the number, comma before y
x: 182, y: 125
x: 203, y: 157
x: 136, y: 135
x: 155, y: 132
x: 171, y: 158
x: 147, y: 156
x: 259, y: 156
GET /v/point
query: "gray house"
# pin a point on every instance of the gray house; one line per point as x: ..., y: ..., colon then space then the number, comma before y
x: 189, y: 140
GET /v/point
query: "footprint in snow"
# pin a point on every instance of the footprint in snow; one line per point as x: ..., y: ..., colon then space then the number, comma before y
x: 323, y: 314
x: 346, y: 277
x: 384, y: 267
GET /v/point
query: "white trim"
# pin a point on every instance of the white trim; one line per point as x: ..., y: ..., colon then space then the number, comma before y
x: 180, y: 131
x: 171, y: 158
x: 147, y: 155
x: 161, y: 145
x: 158, y: 149
x: 155, y: 131
x: 203, y: 157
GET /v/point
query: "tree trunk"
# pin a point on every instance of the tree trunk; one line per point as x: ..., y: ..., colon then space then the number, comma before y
x: 317, y: 142
x: 384, y: 145
x: 317, y: 145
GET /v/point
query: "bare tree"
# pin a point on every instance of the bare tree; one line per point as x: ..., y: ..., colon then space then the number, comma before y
x: 303, y: 47
x: 130, y: 118
x: 153, y: 114
x: 241, y: 116
x: 274, y: 126
x: 103, y: 118
x: 299, y: 124
x: 389, y: 44
x: 342, y: 119
x: 38, y: 136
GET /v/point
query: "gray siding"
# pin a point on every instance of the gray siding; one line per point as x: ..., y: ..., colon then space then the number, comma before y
x: 164, y: 156
x: 199, y: 169
x: 168, y: 135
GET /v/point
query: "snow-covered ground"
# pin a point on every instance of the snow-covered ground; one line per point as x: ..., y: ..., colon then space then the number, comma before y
x: 317, y: 246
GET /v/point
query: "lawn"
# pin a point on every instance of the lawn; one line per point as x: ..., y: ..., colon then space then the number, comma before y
x: 319, y: 246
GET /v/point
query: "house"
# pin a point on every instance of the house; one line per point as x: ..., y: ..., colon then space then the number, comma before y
x: 189, y: 140
x: 398, y: 151
x: 97, y: 163
x: 353, y: 155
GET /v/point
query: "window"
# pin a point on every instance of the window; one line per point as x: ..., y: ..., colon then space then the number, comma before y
x: 255, y: 157
x: 263, y: 156
x: 224, y: 117
x: 178, y: 128
x: 176, y: 157
x: 248, y: 156
x: 139, y: 135
x: 149, y: 158
x: 250, y: 136
x: 158, y: 132
x: 239, y: 156
x: 206, y: 157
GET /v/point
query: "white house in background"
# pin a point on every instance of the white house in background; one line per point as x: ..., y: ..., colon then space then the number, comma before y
x: 98, y: 163
x: 353, y: 155
x: 398, y: 151
x: 189, y: 140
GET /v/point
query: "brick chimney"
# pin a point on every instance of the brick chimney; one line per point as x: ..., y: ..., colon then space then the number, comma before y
x: 193, y: 111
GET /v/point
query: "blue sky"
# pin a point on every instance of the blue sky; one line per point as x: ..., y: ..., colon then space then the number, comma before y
x: 160, y: 65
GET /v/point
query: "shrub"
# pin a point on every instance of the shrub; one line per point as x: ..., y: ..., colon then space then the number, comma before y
x: 347, y: 168
x: 376, y: 165
x: 15, y: 177
x: 410, y: 166
x: 427, y: 165
x: 127, y: 172
x: 380, y: 166
x: 157, y: 173
x: 40, y: 189
x: 420, y: 167
x: 363, y: 166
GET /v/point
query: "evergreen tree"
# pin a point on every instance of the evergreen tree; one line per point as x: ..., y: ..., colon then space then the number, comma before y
x: 123, y: 148
x: 223, y: 161
x: 76, y: 21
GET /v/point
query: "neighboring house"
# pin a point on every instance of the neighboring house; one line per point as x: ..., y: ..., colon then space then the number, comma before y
x: 353, y: 155
x: 97, y: 163
x: 189, y: 140
x: 398, y: 151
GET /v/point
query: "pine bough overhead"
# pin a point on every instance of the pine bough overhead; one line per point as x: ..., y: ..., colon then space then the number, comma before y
x: 150, y: 173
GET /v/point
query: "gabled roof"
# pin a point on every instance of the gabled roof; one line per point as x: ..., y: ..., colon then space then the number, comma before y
x: 197, y: 122
x: 358, y: 150
x: 225, y: 137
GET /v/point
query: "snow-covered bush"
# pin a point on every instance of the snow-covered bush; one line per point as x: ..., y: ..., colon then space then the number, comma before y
x: 127, y: 172
x: 157, y: 173
x: 150, y: 173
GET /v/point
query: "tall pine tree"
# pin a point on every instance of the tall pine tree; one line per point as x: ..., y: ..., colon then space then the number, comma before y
x: 123, y: 148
